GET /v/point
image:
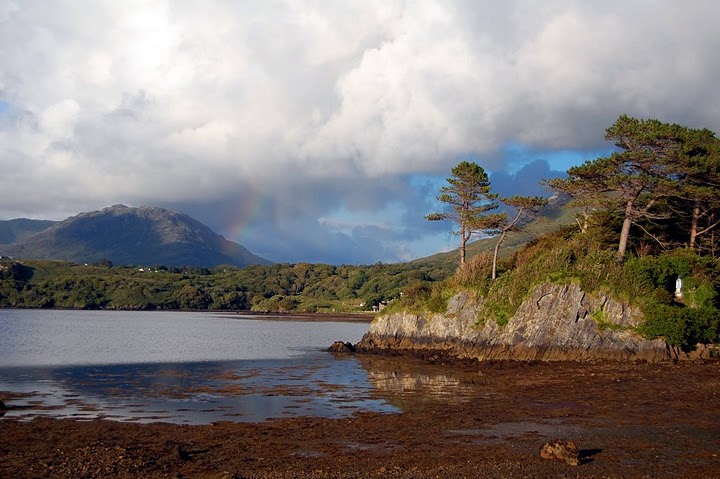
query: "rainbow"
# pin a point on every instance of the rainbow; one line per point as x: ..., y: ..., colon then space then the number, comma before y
x: 241, y: 218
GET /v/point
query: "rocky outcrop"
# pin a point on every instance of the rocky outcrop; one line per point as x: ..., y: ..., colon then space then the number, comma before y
x: 555, y: 323
x: 340, y: 347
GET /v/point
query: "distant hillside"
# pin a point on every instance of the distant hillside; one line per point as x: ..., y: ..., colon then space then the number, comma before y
x: 140, y: 236
x: 19, y: 229
x: 557, y: 213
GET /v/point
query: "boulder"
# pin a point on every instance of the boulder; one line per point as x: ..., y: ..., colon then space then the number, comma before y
x: 560, y: 450
x: 341, y: 347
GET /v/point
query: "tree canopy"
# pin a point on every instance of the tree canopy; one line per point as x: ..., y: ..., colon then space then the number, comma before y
x: 658, y: 165
x: 301, y: 287
x: 469, y: 195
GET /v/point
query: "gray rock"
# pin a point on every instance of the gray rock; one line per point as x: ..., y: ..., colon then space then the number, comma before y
x: 555, y: 322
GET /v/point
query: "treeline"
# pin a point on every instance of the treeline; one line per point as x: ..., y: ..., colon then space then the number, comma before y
x: 299, y: 287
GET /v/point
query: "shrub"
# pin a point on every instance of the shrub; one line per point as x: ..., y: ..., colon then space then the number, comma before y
x: 423, y: 297
x: 680, y: 326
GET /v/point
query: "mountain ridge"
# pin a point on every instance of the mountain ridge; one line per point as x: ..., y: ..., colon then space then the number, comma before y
x: 20, y: 228
x: 128, y: 235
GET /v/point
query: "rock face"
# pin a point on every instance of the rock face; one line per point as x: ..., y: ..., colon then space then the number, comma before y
x: 555, y: 323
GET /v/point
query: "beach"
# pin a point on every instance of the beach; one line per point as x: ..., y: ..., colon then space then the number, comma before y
x: 628, y: 421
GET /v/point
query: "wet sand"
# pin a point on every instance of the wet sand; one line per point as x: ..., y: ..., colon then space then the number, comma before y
x: 628, y: 420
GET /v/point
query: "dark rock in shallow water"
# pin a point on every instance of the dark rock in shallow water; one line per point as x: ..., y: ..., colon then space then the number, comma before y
x: 340, y: 347
x: 3, y: 407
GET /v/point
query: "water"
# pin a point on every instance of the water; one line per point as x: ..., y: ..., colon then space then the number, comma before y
x: 199, y: 368
x: 189, y: 368
x: 63, y: 338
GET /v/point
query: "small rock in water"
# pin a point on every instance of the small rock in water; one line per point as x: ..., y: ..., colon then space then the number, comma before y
x: 3, y: 407
x: 340, y: 347
x: 561, y: 450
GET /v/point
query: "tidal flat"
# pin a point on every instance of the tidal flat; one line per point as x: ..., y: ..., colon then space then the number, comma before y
x: 458, y: 420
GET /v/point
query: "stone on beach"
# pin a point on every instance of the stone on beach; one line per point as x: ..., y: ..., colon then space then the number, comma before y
x: 561, y: 450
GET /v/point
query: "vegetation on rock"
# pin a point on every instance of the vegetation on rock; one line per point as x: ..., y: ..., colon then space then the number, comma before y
x: 653, y: 205
x: 565, y: 256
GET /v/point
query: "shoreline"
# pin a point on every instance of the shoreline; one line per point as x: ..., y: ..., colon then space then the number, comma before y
x: 289, y: 316
x: 366, y: 317
x: 629, y: 420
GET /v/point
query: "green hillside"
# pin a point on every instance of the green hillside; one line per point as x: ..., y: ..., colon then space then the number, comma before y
x: 558, y: 213
x: 298, y: 287
x: 301, y: 287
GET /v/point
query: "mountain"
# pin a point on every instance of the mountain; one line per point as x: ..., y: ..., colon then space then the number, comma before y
x: 140, y: 236
x: 19, y: 229
x: 558, y: 212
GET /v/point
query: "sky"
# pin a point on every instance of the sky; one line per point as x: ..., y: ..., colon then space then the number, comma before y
x: 321, y: 131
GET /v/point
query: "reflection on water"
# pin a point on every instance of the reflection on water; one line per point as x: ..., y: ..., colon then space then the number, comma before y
x: 410, y: 384
x: 197, y: 369
x: 62, y: 338
x: 318, y: 384
x: 195, y: 393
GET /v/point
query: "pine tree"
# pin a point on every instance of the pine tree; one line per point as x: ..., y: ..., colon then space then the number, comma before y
x: 469, y: 195
x: 699, y: 190
x: 633, y: 180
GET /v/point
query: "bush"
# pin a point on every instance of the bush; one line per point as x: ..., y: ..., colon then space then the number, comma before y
x: 423, y: 297
x: 681, y: 326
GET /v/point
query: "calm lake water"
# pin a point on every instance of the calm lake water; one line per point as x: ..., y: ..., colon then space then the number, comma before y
x: 198, y: 368
x: 74, y: 338
x: 190, y: 368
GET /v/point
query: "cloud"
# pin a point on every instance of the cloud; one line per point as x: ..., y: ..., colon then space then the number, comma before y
x: 318, y: 110
x: 525, y: 182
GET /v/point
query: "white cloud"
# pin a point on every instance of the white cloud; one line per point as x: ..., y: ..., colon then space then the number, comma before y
x: 149, y: 101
